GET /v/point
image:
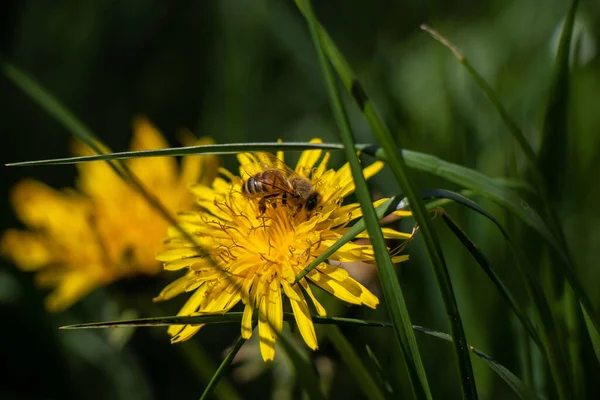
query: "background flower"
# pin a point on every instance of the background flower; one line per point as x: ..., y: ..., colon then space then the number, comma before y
x: 79, y: 240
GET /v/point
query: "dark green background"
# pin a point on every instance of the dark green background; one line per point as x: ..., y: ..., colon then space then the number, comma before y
x: 246, y: 71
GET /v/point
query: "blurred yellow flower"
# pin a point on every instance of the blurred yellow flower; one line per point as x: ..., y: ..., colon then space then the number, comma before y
x: 83, y: 239
x: 258, y: 255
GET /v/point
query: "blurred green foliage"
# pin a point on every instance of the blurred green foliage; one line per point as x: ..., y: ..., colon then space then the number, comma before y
x: 246, y: 70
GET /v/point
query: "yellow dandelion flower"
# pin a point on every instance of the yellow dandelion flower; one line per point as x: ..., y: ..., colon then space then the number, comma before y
x: 259, y: 255
x: 83, y: 239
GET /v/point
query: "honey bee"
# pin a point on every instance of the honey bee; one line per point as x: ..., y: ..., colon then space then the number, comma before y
x: 277, y: 182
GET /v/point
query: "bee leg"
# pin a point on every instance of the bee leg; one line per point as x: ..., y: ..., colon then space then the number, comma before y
x: 262, y: 206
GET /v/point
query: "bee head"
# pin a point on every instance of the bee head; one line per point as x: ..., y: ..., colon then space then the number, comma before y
x: 312, y: 202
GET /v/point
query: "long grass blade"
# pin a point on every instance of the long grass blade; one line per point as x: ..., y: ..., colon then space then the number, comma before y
x: 392, y: 291
x: 305, y: 372
x: 204, y: 367
x: 236, y: 317
x: 492, y: 275
x: 229, y: 148
x: 326, y: 46
x: 357, y: 367
x: 230, y: 317
x: 547, y: 169
x: 517, y: 385
x: 222, y: 370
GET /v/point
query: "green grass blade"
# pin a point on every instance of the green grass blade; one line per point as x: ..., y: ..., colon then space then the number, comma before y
x: 391, y: 288
x: 516, y: 384
x: 547, y: 171
x: 204, y: 367
x: 548, y: 337
x: 513, y: 128
x: 305, y: 373
x: 398, y: 167
x: 357, y: 367
x: 51, y: 105
x: 594, y: 336
x: 229, y: 148
x: 57, y: 110
x: 493, y: 276
x: 227, y: 318
x: 553, y: 149
x: 383, y: 381
x: 222, y: 370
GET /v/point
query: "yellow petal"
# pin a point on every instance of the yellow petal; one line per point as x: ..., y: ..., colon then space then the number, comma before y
x: 176, y: 287
x: 156, y: 171
x: 201, y: 168
x: 28, y: 250
x: 73, y: 287
x: 188, y: 308
x: 302, y: 315
x: 318, y: 173
x: 320, y: 309
x: 247, y: 321
x: 373, y: 169
x: 388, y: 233
x: 348, y: 290
x: 265, y: 333
x: 275, y: 307
x: 185, y: 333
x: 308, y: 159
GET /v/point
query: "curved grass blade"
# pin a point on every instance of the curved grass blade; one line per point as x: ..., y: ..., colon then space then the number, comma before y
x: 481, y: 258
x: 513, y: 128
x: 229, y: 148
x: 236, y: 317
x: 553, y: 148
x: 548, y: 334
x: 230, y: 317
x: 516, y: 384
x: 369, y: 387
x: 223, y: 368
x: 594, y: 336
x: 57, y: 110
x: 380, y: 374
x: 547, y: 169
x: 205, y: 368
x: 397, y: 164
x: 305, y: 373
x: 391, y: 287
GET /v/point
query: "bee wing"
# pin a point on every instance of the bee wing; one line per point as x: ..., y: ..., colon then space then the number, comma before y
x: 254, y: 163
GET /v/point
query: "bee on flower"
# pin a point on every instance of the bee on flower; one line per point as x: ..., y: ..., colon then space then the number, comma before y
x: 80, y: 240
x: 260, y: 232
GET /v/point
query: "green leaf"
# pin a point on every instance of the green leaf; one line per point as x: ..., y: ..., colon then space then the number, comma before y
x: 223, y: 368
x: 358, y: 369
x: 516, y: 384
x: 391, y: 287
